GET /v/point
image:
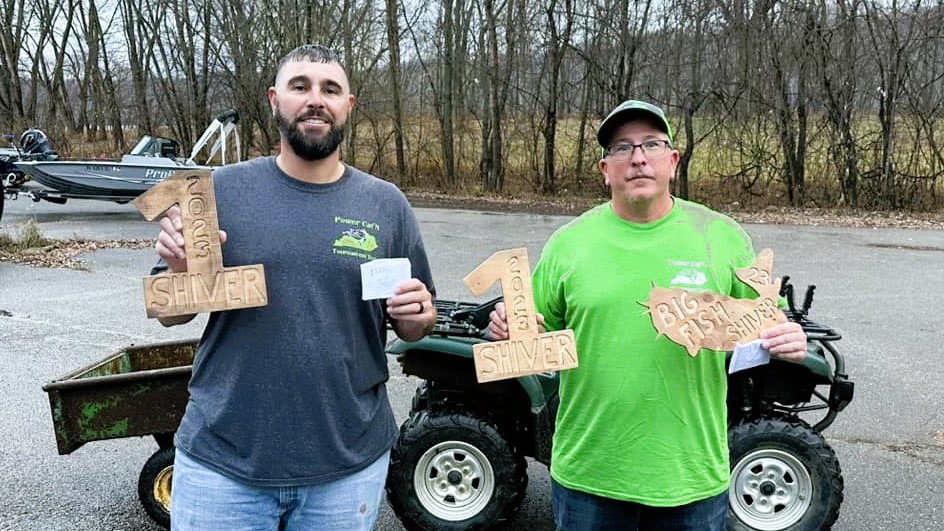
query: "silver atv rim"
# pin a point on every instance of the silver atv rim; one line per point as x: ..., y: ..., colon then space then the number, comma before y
x: 454, y: 481
x: 770, y: 490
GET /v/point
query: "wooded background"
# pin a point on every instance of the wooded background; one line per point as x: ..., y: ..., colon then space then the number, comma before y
x: 799, y: 103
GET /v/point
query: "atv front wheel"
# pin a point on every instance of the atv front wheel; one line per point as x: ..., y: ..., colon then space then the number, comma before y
x: 154, y: 485
x: 452, y: 471
x: 784, y: 476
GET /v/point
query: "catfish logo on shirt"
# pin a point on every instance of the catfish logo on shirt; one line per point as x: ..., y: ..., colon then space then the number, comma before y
x: 356, y: 238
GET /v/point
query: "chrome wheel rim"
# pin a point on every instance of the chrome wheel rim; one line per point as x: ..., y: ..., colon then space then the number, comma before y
x: 770, y: 490
x: 454, y: 481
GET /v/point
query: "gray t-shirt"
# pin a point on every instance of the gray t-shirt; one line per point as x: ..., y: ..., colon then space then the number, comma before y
x: 293, y: 393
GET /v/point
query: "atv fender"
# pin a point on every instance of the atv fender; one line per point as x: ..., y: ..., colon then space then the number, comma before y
x: 450, y: 361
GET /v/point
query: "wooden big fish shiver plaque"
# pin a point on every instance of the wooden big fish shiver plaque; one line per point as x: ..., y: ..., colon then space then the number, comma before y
x: 697, y: 320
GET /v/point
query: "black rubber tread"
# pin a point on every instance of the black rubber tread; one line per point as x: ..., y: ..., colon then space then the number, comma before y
x: 798, y: 438
x: 158, y: 461
x: 427, y: 428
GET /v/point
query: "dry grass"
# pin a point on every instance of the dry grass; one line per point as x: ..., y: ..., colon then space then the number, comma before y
x: 29, y: 236
x: 29, y: 246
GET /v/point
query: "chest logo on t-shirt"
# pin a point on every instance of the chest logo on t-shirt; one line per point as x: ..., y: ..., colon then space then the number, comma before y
x: 688, y: 274
x: 356, y: 237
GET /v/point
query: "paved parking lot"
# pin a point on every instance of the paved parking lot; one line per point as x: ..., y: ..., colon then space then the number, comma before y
x: 881, y: 288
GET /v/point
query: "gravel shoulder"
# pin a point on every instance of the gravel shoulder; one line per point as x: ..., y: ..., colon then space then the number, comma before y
x: 768, y: 215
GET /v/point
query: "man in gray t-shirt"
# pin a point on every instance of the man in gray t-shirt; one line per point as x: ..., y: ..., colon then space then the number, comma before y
x: 288, y: 425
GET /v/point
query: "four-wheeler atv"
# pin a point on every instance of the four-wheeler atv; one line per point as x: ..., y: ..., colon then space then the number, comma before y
x: 459, y: 462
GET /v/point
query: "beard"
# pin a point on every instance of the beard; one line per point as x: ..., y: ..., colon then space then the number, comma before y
x: 307, y: 147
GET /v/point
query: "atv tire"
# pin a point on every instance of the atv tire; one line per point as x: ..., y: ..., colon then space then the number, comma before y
x: 454, y: 470
x: 154, y: 485
x: 784, y: 477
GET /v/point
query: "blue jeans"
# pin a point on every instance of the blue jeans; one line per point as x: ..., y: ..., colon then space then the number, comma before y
x: 580, y: 511
x: 204, y: 500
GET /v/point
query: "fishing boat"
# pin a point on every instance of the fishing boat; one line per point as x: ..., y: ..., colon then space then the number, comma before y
x: 152, y: 159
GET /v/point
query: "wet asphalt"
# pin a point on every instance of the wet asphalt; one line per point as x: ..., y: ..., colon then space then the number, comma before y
x: 883, y: 289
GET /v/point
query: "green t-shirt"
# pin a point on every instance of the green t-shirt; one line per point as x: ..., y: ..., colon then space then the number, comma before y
x: 639, y: 419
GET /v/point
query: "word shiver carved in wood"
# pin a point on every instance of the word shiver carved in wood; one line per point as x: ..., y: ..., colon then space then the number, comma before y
x: 527, y: 350
x: 206, y: 286
x: 697, y: 320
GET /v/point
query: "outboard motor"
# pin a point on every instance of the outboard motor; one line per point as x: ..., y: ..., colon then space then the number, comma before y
x: 35, y: 142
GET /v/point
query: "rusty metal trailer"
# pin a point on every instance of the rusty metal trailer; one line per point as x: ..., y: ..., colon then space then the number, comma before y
x: 137, y: 391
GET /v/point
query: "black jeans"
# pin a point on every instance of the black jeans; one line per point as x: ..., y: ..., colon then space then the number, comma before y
x: 579, y: 511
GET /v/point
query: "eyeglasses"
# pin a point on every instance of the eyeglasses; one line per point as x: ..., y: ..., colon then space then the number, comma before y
x: 650, y: 148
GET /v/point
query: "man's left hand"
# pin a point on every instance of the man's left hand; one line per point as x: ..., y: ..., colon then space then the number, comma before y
x: 411, y: 309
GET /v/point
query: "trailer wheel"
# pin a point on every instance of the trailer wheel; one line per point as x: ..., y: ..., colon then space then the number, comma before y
x: 164, y: 440
x: 154, y: 485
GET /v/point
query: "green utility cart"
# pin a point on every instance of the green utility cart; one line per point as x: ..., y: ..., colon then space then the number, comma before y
x: 137, y: 391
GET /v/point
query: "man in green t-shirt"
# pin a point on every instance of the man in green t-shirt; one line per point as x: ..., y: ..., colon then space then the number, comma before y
x: 641, y: 438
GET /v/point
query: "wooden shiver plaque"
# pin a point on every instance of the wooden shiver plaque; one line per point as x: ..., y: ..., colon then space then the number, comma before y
x: 526, y: 351
x: 697, y: 320
x: 206, y: 286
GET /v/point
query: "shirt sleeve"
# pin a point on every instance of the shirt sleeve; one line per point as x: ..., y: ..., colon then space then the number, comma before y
x: 547, y: 283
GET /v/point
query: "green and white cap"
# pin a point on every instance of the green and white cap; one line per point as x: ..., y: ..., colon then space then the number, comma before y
x: 626, y: 112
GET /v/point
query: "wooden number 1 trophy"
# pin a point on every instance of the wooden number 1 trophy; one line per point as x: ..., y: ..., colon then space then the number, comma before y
x: 526, y: 351
x: 206, y: 286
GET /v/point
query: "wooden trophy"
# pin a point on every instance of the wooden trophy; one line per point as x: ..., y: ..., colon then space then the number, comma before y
x: 206, y: 286
x: 526, y: 351
x: 697, y: 320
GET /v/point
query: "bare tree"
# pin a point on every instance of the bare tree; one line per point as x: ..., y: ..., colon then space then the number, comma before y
x: 685, y: 43
x: 393, y: 46
x: 891, y: 33
x: 446, y: 90
x: 56, y: 28
x: 502, y: 22
x: 97, y: 86
x: 921, y: 169
x: 14, y: 25
x: 362, y: 44
x: 500, y: 92
x: 559, y: 23
x: 784, y: 91
x: 139, y: 43
x: 835, y: 56
x: 247, y: 60
x: 182, y: 61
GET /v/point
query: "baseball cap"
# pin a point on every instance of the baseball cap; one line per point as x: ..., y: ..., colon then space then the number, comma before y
x: 624, y: 113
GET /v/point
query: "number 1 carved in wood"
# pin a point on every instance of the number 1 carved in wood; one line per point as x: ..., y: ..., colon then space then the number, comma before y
x: 527, y: 350
x: 206, y: 286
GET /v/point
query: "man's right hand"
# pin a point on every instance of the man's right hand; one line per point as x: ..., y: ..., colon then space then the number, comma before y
x: 171, y: 247
x: 170, y: 242
x: 498, y: 323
